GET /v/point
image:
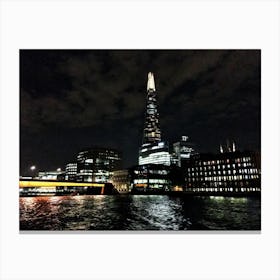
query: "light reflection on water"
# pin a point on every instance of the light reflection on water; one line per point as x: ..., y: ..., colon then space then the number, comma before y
x: 139, y: 212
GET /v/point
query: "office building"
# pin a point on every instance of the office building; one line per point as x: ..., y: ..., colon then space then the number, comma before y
x: 156, y: 153
x: 150, y: 178
x: 182, y: 150
x: 224, y: 172
x: 153, y: 149
x: 121, y: 180
x: 71, y: 171
x: 97, y: 164
x: 51, y: 175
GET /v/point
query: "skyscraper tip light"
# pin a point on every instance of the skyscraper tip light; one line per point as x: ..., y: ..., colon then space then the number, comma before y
x: 151, y: 82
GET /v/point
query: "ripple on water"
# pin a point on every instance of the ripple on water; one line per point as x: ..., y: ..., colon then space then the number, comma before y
x: 139, y: 212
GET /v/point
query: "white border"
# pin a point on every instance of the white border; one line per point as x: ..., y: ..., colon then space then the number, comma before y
x: 153, y: 24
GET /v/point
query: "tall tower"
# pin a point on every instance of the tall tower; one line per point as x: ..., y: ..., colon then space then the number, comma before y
x: 153, y: 149
x: 152, y: 132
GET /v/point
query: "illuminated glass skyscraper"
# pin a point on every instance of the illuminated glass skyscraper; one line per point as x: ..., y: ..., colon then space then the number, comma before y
x: 153, y: 149
x: 152, y: 132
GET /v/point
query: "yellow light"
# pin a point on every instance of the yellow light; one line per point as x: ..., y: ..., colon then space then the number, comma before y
x: 141, y: 185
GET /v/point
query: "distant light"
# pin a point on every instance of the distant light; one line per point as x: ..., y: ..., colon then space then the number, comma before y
x: 33, y: 167
x: 58, y: 169
x: 161, y: 144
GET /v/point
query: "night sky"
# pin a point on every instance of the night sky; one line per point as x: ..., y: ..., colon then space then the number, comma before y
x: 70, y: 100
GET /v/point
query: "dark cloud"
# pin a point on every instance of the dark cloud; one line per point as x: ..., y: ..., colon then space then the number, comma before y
x: 72, y: 99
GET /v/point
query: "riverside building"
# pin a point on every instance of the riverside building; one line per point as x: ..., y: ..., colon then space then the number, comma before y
x: 150, y: 178
x: 97, y: 164
x: 227, y: 172
x: 153, y: 149
x: 51, y: 175
x: 121, y: 180
x: 71, y: 171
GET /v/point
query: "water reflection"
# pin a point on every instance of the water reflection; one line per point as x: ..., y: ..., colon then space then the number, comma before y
x: 139, y: 212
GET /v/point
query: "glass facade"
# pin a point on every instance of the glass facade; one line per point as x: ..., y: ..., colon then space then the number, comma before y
x: 152, y: 133
x: 97, y: 164
x: 49, y: 175
x: 154, y: 154
x: 71, y: 171
x: 182, y: 150
x: 153, y: 150
x: 150, y: 177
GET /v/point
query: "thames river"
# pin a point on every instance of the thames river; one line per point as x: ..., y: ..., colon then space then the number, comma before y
x: 139, y: 212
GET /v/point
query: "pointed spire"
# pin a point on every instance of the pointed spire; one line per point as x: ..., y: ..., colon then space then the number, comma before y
x: 221, y: 149
x: 233, y: 146
x: 151, y: 82
x: 228, y: 146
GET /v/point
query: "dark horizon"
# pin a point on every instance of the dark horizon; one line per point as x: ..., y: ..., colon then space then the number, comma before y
x: 73, y: 99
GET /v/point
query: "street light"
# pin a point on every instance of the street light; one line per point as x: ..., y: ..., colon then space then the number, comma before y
x: 33, y: 167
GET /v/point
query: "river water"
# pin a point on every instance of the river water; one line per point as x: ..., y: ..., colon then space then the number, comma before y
x: 139, y: 212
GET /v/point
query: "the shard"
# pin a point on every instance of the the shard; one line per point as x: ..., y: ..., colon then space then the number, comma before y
x: 153, y: 149
x: 152, y: 132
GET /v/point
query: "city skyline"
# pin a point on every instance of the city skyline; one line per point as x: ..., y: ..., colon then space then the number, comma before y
x: 75, y: 99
